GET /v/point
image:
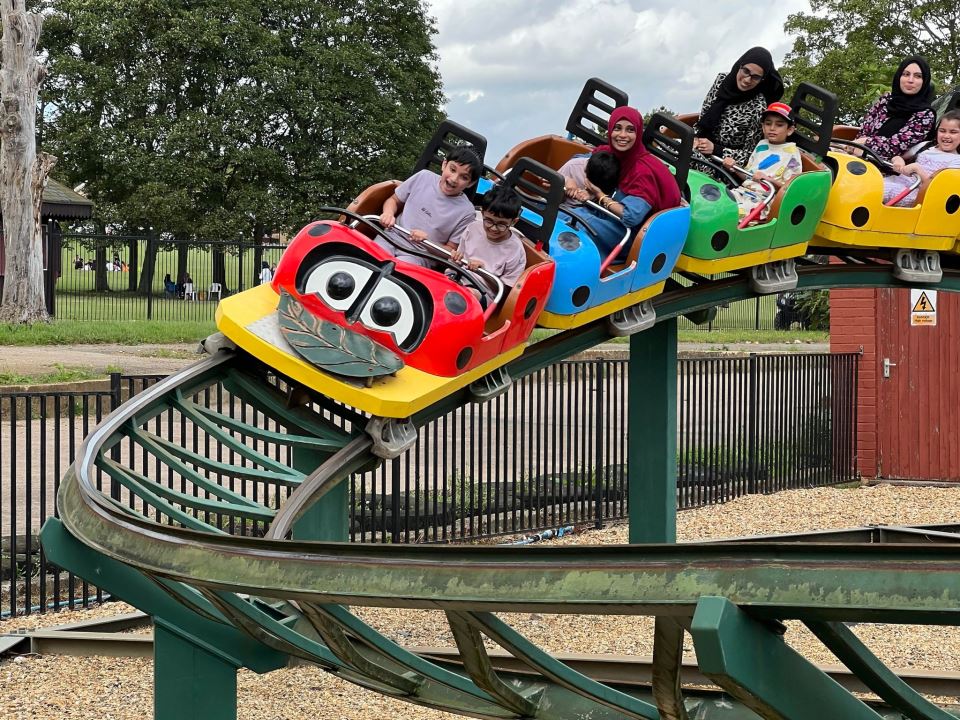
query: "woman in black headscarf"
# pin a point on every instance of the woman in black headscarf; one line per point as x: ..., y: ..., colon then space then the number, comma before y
x: 729, y: 124
x: 903, y: 117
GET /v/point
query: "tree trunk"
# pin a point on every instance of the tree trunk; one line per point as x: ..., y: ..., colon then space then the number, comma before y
x: 133, y: 251
x: 100, y: 268
x: 149, y: 266
x: 23, y: 174
x: 257, y: 254
x: 219, y: 272
x: 182, y: 249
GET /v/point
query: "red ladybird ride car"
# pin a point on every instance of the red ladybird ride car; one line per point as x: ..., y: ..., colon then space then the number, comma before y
x: 423, y: 317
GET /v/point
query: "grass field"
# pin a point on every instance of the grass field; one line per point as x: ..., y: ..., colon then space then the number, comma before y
x: 238, y: 264
x: 77, y: 300
x: 119, y: 332
x: 105, y: 307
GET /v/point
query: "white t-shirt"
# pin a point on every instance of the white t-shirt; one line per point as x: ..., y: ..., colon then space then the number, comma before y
x: 265, y: 276
x: 933, y: 161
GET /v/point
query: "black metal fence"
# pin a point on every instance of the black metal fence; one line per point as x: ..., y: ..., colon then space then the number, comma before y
x: 550, y: 452
x: 105, y: 277
x: 757, y: 313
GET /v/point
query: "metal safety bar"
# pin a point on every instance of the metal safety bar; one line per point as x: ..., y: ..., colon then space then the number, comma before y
x: 496, y: 283
x: 771, y: 194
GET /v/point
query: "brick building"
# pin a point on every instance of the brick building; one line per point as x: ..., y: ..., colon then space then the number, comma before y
x: 908, y: 414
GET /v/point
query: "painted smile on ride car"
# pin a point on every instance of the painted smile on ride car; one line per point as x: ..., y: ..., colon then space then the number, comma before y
x: 347, y: 306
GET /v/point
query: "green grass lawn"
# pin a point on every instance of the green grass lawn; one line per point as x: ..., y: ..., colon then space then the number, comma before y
x: 121, y: 332
x: 60, y: 375
x: 763, y: 337
x: 105, y: 307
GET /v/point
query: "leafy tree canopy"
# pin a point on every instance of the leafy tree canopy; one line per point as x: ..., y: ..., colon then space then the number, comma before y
x: 212, y: 119
x: 853, y: 47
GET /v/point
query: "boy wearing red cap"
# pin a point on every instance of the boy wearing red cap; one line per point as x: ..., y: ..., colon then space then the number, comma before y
x: 774, y: 160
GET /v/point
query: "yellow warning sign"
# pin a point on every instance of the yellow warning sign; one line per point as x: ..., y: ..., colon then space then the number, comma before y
x: 923, y: 304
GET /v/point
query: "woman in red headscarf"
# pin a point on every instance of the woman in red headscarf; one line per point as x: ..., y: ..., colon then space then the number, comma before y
x: 645, y: 186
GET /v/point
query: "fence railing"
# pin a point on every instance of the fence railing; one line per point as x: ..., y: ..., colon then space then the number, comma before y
x: 104, y: 277
x: 551, y: 451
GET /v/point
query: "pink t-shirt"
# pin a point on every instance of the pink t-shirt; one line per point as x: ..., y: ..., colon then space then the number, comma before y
x: 575, y: 169
x: 505, y: 259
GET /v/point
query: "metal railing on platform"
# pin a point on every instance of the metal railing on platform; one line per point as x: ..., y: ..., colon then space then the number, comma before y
x: 550, y: 451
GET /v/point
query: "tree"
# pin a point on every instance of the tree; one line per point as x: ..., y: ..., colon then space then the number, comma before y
x: 663, y: 109
x: 217, y: 119
x: 852, y: 47
x: 23, y: 174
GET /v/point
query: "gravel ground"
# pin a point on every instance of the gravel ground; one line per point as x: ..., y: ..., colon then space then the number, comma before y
x: 130, y: 359
x: 119, y: 689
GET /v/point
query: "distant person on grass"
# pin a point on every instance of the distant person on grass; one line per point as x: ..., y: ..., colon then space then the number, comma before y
x: 266, y: 276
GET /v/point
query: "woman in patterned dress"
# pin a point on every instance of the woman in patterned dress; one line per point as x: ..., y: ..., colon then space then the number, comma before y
x: 729, y: 124
x: 903, y: 117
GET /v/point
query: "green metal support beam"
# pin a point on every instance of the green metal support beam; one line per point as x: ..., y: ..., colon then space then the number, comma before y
x: 652, y: 435
x: 752, y: 662
x: 189, y: 681
x: 841, y: 641
x: 195, y: 658
x: 329, y: 518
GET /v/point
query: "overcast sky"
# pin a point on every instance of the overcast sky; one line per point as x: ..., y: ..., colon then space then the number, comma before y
x: 512, y: 69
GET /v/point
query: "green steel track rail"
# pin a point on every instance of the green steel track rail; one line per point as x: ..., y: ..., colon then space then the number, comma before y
x: 171, y: 552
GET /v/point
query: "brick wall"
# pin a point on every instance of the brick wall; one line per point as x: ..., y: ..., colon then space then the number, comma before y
x: 853, y: 325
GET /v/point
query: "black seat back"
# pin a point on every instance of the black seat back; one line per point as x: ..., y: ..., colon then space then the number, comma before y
x: 448, y: 136
x: 814, y: 110
x: 589, y: 117
x: 950, y: 100
x: 675, y: 151
x: 541, y: 191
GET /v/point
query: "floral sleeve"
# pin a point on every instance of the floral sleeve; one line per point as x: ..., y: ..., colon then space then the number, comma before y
x: 914, y: 131
x: 875, y: 116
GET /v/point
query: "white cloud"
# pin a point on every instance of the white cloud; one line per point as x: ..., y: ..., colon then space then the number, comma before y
x: 512, y: 70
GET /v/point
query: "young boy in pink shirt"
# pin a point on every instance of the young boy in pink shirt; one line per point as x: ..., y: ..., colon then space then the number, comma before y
x: 490, y: 241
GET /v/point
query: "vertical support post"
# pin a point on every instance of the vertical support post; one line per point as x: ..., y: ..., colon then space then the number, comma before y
x: 752, y: 420
x: 395, y: 499
x: 51, y: 267
x: 151, y: 266
x: 652, y: 434
x: 189, y: 681
x: 329, y: 519
x: 599, y: 469
x: 240, y: 266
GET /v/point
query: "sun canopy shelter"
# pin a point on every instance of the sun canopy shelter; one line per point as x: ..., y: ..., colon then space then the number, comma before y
x: 59, y: 203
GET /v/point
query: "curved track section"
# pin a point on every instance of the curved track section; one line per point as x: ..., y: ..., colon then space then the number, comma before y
x: 187, y: 528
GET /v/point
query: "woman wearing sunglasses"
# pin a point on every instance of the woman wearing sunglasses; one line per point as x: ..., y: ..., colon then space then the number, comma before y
x: 729, y: 124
